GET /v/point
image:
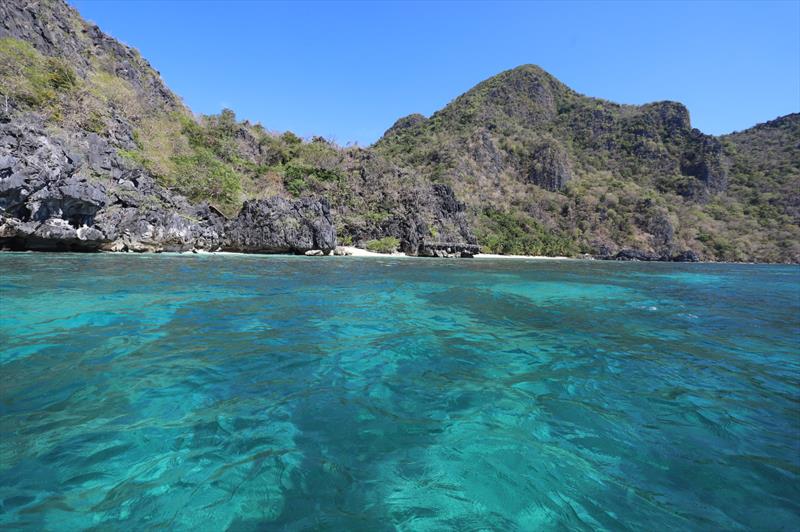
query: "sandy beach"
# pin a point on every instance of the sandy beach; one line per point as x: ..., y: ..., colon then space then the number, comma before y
x: 358, y: 252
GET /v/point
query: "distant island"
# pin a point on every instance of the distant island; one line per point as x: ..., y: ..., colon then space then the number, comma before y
x: 97, y: 154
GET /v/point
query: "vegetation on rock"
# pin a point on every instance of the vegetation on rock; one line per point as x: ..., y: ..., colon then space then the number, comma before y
x: 540, y: 168
x: 387, y: 244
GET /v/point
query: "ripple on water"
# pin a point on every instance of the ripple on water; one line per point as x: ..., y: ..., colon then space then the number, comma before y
x: 244, y: 392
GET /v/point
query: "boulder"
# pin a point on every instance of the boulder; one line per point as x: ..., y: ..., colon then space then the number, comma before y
x: 636, y: 255
x: 279, y: 225
x: 686, y: 256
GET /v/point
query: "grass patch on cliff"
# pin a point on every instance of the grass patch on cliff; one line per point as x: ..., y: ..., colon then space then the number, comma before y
x: 186, y: 158
x: 30, y: 79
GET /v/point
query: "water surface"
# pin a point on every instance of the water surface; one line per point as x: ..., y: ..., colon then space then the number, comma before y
x: 293, y: 393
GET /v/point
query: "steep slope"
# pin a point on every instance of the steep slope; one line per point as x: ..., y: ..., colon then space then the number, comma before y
x: 765, y: 169
x: 547, y: 170
x: 140, y: 167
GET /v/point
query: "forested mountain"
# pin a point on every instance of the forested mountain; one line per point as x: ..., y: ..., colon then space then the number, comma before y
x: 97, y: 153
x: 544, y: 169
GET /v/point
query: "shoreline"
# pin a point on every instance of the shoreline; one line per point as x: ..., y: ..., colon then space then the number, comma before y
x: 535, y: 257
x: 352, y: 251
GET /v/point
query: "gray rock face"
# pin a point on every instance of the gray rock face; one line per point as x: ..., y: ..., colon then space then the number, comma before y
x: 550, y: 167
x: 428, y: 222
x: 645, y: 256
x: 50, y: 26
x: 52, y: 197
x: 704, y: 161
x: 453, y: 235
x: 277, y: 225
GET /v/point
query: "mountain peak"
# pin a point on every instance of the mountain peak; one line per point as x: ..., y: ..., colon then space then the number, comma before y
x: 526, y: 94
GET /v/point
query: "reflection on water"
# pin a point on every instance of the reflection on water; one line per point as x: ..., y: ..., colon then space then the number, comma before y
x: 221, y: 392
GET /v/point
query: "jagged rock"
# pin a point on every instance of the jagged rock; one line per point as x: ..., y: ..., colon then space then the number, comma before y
x: 636, y: 255
x: 420, y: 216
x: 656, y: 222
x: 686, y: 256
x: 278, y: 225
x: 550, y: 167
x: 450, y: 250
x: 314, y: 253
x: 704, y: 161
x: 645, y: 256
x: 46, y: 203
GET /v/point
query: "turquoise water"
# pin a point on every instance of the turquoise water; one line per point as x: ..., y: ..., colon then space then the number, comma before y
x: 249, y: 393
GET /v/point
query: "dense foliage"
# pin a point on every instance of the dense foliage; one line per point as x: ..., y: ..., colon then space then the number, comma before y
x: 387, y: 244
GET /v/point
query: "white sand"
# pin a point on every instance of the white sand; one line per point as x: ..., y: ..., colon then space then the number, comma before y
x: 358, y: 252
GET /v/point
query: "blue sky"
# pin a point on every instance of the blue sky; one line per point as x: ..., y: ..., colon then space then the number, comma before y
x: 349, y: 70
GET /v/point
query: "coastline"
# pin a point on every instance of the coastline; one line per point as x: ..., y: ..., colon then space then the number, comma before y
x: 353, y: 251
x: 536, y: 257
x: 358, y: 252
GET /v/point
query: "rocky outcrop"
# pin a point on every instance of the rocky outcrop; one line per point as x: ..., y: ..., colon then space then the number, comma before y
x: 278, y: 225
x: 56, y: 29
x: 550, y: 166
x: 646, y: 256
x: 655, y: 221
x: 76, y: 193
x: 429, y: 222
x: 452, y: 235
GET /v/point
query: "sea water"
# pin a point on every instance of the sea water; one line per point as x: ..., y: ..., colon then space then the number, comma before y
x: 207, y: 392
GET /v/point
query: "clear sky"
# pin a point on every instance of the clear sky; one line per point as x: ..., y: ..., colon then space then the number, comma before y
x: 349, y: 70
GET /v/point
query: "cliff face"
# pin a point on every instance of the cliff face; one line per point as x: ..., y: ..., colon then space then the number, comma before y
x: 97, y: 153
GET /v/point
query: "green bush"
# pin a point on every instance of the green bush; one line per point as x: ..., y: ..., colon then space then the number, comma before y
x: 388, y: 244
x: 514, y: 233
x: 296, y: 186
x: 202, y: 176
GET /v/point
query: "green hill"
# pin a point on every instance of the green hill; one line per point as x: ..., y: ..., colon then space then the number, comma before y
x: 540, y: 169
x: 544, y: 169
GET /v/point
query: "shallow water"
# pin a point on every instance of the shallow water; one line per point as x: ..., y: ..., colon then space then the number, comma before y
x: 293, y: 393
